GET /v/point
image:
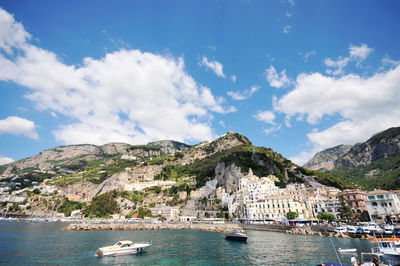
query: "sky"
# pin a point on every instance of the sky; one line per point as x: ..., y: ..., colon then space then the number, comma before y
x: 294, y: 76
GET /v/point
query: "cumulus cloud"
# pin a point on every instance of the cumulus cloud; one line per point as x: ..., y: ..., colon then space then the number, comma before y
x: 237, y: 95
x: 357, y: 54
x: 233, y: 78
x: 365, y: 105
x: 275, y: 80
x: 215, y: 66
x: 265, y: 116
x: 128, y: 95
x: 18, y: 126
x: 5, y: 160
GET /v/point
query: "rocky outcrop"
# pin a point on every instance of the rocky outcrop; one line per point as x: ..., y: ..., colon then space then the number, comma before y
x: 381, y: 145
x: 205, y: 149
x: 119, y: 181
x: 326, y: 159
x: 228, y: 176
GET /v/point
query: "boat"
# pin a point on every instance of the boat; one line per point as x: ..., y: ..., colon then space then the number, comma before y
x: 123, y: 247
x: 389, y: 247
x: 347, y: 250
x: 236, y: 236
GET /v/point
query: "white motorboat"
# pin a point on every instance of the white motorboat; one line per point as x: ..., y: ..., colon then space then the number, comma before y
x: 122, y: 248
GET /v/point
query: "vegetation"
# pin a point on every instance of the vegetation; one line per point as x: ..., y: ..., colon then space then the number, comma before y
x: 155, y: 189
x: 326, y: 216
x: 292, y: 215
x: 345, y: 210
x: 172, y: 172
x: 328, y: 179
x: 383, y: 173
x: 144, y: 212
x: 103, y: 205
x: 68, y: 206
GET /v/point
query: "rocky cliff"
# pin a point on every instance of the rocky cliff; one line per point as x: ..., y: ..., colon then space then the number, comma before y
x: 373, y: 163
x: 381, y: 145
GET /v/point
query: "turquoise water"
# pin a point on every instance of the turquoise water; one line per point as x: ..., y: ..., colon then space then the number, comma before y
x: 24, y: 243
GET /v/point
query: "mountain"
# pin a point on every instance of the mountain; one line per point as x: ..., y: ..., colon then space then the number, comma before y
x: 141, y: 176
x: 373, y: 163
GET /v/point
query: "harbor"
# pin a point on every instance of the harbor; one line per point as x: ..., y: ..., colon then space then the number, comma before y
x: 46, y: 243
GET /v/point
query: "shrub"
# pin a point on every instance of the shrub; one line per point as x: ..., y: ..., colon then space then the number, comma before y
x: 103, y: 205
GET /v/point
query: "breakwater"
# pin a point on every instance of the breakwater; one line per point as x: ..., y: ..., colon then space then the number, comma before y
x: 224, y: 227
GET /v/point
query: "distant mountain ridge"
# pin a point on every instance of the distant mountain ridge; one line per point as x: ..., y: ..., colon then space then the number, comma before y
x: 373, y: 163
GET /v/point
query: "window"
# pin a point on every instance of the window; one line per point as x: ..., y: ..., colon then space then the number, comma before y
x: 354, y: 196
x: 380, y: 196
x: 371, y: 197
x: 390, y: 204
x: 374, y: 203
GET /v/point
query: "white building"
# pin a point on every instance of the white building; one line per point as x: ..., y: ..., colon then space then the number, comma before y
x: 382, y: 204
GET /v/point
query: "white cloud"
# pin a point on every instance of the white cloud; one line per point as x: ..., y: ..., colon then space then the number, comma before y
x: 5, y: 160
x: 12, y: 33
x: 222, y: 124
x: 237, y: 95
x: 359, y: 53
x: 306, y: 56
x: 288, y: 14
x: 18, y: 126
x: 272, y: 129
x: 286, y: 29
x: 275, y: 80
x: 291, y: 2
x: 128, y: 95
x: 233, y: 78
x: 365, y: 105
x: 215, y: 66
x: 387, y: 61
x: 265, y: 116
x: 356, y: 54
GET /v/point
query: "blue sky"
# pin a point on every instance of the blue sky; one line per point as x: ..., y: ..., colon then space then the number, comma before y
x: 296, y: 76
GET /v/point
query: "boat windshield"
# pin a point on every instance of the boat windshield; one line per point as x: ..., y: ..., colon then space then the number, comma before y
x: 118, y: 243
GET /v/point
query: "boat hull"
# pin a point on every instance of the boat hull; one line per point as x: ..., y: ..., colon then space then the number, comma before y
x: 392, y: 259
x: 236, y: 238
x: 122, y: 251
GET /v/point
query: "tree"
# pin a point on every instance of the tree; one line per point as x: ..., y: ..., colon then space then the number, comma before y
x: 103, y: 205
x: 292, y: 215
x: 344, y: 210
x: 326, y: 216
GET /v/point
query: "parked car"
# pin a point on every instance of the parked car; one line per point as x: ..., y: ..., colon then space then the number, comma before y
x: 388, y: 231
x: 351, y: 229
x: 340, y: 229
x: 359, y: 230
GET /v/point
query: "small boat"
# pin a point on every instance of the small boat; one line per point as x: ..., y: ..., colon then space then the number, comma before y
x: 347, y: 250
x: 122, y: 248
x: 236, y: 235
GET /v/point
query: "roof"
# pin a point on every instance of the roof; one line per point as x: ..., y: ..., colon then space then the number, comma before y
x: 376, y: 192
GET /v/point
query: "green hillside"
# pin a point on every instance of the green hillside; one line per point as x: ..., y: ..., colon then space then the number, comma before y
x: 383, y: 173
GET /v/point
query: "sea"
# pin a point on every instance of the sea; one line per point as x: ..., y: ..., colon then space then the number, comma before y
x: 26, y: 243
